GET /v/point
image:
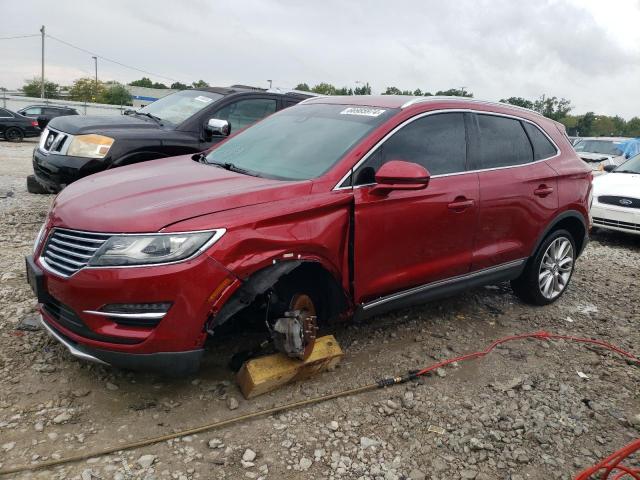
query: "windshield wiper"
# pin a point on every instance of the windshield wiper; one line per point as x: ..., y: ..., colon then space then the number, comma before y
x: 624, y: 171
x: 234, y: 168
x: 151, y: 116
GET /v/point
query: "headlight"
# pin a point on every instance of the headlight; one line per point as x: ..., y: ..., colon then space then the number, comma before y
x: 123, y: 250
x: 90, y: 146
x: 38, y: 238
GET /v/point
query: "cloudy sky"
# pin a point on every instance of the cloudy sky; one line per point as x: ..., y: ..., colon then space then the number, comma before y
x: 584, y: 50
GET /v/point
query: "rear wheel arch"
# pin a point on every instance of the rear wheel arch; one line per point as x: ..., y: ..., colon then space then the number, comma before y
x: 572, y: 221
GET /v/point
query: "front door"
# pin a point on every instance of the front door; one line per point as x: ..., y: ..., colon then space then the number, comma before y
x: 409, y: 238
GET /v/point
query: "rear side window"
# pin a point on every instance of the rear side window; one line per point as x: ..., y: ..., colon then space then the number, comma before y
x: 437, y: 142
x: 542, y: 146
x: 502, y: 143
x: 5, y: 113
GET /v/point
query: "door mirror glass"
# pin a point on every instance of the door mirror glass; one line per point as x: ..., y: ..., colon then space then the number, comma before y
x: 400, y: 175
x: 218, y: 128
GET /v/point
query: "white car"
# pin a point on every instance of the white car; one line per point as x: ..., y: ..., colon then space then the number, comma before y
x: 616, y: 198
x: 599, y: 152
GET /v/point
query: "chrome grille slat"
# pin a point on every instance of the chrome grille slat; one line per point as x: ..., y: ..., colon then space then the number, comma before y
x: 68, y: 251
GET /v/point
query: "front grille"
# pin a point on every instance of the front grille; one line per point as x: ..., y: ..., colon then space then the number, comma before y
x: 627, y: 202
x: 70, y: 320
x: 605, y: 222
x: 67, y: 251
x: 53, y: 140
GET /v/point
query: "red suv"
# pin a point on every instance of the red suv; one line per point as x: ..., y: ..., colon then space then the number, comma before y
x: 336, y: 207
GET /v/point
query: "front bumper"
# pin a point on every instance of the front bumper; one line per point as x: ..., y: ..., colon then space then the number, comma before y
x: 175, y: 342
x: 616, y: 218
x: 55, y: 171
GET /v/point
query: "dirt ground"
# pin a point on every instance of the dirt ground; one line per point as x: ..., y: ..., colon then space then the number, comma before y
x: 523, y: 412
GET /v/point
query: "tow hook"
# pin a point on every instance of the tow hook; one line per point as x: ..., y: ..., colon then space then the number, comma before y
x: 295, y: 333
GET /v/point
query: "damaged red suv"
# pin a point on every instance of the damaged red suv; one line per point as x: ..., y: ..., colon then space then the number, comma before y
x: 336, y: 207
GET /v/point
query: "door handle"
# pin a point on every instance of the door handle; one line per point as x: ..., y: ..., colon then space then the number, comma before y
x: 543, y: 191
x: 460, y: 204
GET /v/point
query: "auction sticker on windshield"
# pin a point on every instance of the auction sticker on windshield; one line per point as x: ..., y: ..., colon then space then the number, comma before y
x: 363, y: 111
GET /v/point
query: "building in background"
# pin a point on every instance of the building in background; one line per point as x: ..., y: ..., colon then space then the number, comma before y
x: 142, y: 96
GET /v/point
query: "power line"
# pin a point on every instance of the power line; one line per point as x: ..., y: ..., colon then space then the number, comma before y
x: 20, y: 36
x: 109, y: 59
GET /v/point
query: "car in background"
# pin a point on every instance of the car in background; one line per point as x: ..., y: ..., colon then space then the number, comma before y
x: 574, y: 140
x: 599, y: 152
x: 184, y: 122
x: 616, y: 198
x: 15, y: 127
x: 334, y: 208
x: 44, y: 113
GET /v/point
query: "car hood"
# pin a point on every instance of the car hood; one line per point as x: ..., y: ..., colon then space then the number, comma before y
x: 149, y: 196
x: 617, y: 184
x: 78, y: 124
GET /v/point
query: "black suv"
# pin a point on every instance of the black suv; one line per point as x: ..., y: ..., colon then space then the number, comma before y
x: 14, y: 127
x: 181, y: 123
x: 44, y: 113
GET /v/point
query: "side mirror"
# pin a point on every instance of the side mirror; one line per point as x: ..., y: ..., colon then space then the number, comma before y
x: 400, y: 175
x: 217, y: 128
x: 609, y: 168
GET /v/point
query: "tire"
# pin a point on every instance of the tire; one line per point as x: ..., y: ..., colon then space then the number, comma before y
x: 13, y: 134
x: 548, y: 273
x: 33, y: 186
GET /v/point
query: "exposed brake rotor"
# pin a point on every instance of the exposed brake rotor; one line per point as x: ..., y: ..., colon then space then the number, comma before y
x: 295, y: 333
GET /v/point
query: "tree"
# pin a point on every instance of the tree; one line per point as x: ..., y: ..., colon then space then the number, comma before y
x: 159, y: 85
x: 552, y: 107
x: 324, y: 89
x: 33, y: 88
x: 303, y: 87
x: 200, y: 84
x: 86, y: 90
x: 179, y: 86
x: 363, y: 90
x: 632, y: 128
x: 454, y: 92
x: 143, y: 82
x: 584, y: 125
x: 519, y: 102
x: 397, y: 91
x: 116, y: 94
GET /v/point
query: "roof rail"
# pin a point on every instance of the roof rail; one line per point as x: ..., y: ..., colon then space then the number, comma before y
x: 248, y: 87
x: 293, y: 90
x: 415, y: 100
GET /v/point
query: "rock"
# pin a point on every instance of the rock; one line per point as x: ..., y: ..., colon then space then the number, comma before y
x: 392, y: 405
x: 146, y: 461
x: 305, y: 464
x: 438, y: 464
x: 8, y: 446
x: 441, y: 372
x: 468, y: 474
x: 111, y: 386
x: 249, y: 455
x: 366, y: 442
x: 86, y: 474
x: 81, y: 392
x: 39, y: 427
x: 232, y: 403
x: 62, y: 418
x: 215, y: 443
x: 333, y: 425
x: 416, y: 474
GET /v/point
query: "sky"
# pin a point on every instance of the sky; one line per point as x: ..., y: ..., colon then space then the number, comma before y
x: 585, y: 50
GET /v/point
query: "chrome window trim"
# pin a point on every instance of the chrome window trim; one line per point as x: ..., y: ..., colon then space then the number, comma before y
x: 372, y: 150
x: 219, y: 232
x: 439, y: 283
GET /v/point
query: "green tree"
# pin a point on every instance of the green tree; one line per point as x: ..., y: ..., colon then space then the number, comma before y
x: 179, y: 86
x: 552, y: 107
x: 116, y: 94
x: 392, y: 91
x: 584, y: 125
x: 519, y: 102
x: 603, y: 126
x: 303, y: 87
x: 632, y: 128
x: 200, y: 84
x: 363, y: 90
x: 454, y: 92
x: 86, y: 90
x: 159, y: 85
x: 324, y: 89
x: 143, y: 82
x: 33, y: 88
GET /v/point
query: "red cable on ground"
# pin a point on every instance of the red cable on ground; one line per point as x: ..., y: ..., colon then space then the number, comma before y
x: 610, y: 465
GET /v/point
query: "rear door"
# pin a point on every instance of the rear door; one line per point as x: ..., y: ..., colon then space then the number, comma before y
x: 518, y: 190
x: 409, y: 238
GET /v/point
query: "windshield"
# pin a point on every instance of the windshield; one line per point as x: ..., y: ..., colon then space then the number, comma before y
x: 630, y: 166
x: 179, y: 106
x: 603, y: 147
x: 300, y: 142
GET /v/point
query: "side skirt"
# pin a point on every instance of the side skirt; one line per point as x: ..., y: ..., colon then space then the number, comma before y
x: 441, y: 288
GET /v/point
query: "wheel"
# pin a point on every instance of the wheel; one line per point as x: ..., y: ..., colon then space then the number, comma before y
x: 13, y: 134
x: 548, y: 273
x: 33, y: 186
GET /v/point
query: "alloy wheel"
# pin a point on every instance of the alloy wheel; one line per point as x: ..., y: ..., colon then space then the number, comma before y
x: 556, y: 268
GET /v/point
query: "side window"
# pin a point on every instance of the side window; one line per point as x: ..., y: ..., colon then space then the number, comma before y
x: 542, y: 147
x: 243, y: 113
x: 503, y: 142
x: 437, y: 142
x: 33, y: 111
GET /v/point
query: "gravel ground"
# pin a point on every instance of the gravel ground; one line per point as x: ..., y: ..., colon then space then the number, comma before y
x: 520, y: 413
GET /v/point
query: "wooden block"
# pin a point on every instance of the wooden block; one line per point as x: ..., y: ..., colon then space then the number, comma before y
x: 264, y: 374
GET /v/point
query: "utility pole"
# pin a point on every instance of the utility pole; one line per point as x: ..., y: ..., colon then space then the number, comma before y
x: 42, y: 71
x: 270, y: 82
x: 96, y: 62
